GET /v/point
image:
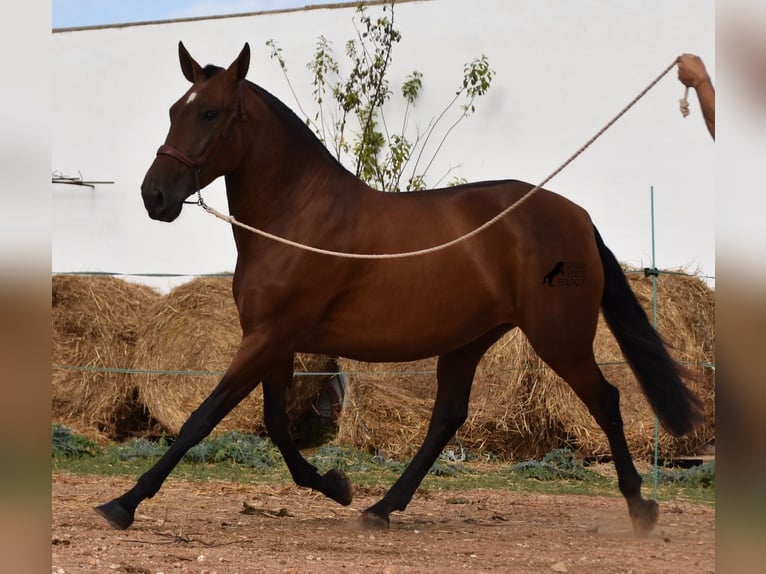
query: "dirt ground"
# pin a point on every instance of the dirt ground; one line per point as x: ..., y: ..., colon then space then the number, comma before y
x: 224, y: 528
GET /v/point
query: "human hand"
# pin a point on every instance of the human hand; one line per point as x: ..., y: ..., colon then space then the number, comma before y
x: 691, y: 71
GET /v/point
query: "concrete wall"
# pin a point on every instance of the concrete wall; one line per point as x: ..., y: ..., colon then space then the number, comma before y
x: 563, y: 68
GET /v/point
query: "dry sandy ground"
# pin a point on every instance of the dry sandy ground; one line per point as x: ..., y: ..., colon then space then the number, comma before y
x: 224, y: 528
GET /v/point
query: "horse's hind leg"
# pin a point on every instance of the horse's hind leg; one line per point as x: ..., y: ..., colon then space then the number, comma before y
x: 455, y: 372
x: 603, y: 402
x: 606, y: 411
x: 334, y: 483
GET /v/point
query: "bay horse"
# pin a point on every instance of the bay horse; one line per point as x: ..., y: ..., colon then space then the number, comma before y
x: 454, y: 303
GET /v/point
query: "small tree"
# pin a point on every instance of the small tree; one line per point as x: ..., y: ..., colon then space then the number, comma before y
x: 380, y: 156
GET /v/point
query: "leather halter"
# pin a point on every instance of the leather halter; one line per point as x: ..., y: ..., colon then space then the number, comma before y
x: 196, y: 164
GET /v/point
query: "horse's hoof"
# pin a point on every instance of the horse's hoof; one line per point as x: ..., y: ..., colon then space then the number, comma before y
x: 338, y: 486
x: 115, y: 514
x: 644, y: 516
x: 374, y: 521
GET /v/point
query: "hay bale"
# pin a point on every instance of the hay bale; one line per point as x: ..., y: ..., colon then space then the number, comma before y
x: 388, y: 406
x: 193, y: 329
x: 95, y: 324
x: 506, y: 417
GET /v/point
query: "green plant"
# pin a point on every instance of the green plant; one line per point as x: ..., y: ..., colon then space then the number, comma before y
x: 379, y: 153
x: 351, y: 460
x: 242, y: 448
x: 64, y: 443
x: 558, y: 464
x: 346, y: 459
x: 139, y: 449
x: 700, y: 476
x: 443, y: 468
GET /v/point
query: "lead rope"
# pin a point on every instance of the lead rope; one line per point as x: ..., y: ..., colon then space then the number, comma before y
x: 684, y: 103
x: 233, y: 221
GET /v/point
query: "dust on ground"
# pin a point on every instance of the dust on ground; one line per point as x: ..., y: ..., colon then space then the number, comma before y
x: 225, y: 528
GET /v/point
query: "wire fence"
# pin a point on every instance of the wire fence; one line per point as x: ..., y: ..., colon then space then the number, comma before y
x: 646, y: 272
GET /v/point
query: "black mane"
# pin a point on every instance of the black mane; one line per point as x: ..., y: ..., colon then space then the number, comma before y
x: 282, y: 110
x: 291, y: 119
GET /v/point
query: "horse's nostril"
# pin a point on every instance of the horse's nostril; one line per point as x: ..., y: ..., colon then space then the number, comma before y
x: 159, y: 196
x: 159, y: 203
x: 152, y: 195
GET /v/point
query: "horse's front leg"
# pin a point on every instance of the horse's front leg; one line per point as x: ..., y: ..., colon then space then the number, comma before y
x: 240, y: 379
x: 449, y: 412
x: 454, y: 374
x: 334, y: 483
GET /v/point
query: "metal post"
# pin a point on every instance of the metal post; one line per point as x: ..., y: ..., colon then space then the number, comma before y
x: 654, y: 321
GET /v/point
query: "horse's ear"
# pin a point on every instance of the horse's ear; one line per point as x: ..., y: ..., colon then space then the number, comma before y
x: 189, y: 66
x: 242, y: 63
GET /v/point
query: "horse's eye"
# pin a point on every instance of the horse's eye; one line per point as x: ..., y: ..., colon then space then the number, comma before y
x: 209, y: 115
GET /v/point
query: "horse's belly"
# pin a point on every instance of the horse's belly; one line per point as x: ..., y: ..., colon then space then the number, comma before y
x: 406, y: 328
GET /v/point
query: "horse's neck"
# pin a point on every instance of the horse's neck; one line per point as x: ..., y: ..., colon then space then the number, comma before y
x: 300, y: 198
x: 267, y: 187
x: 287, y: 180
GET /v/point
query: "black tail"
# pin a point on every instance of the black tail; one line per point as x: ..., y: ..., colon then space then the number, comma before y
x: 678, y: 409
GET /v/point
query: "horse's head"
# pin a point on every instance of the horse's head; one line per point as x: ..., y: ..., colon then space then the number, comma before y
x: 200, y: 146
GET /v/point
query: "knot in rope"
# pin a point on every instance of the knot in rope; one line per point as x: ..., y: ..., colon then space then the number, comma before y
x: 684, y: 103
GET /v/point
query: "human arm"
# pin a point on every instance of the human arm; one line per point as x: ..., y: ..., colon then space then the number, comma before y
x: 692, y: 74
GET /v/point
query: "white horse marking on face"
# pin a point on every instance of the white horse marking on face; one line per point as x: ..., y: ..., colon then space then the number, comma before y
x: 191, y: 97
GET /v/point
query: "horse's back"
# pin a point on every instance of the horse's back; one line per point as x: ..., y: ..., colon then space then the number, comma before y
x: 449, y: 297
x: 539, y: 231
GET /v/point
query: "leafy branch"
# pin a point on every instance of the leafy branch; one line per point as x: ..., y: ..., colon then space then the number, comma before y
x: 350, y: 117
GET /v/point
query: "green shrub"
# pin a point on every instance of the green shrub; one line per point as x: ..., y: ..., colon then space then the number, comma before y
x: 139, y: 449
x: 66, y: 444
x: 444, y: 468
x: 332, y: 456
x: 242, y: 448
x: 700, y: 476
x: 558, y: 464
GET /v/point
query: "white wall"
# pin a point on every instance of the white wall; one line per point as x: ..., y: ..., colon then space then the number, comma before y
x: 563, y: 69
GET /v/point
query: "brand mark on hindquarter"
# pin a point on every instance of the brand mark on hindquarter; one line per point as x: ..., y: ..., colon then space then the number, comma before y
x: 566, y: 274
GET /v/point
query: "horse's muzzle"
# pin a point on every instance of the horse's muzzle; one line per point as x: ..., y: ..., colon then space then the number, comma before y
x: 157, y: 203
